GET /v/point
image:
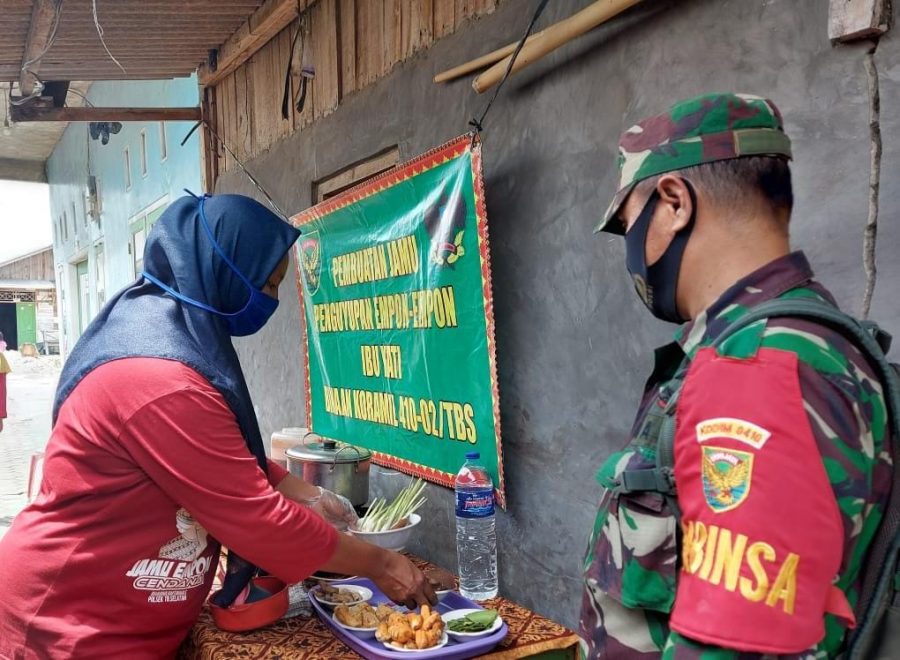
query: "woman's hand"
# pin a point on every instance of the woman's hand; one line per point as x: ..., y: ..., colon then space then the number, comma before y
x: 335, y: 509
x: 402, y: 582
x: 394, y: 574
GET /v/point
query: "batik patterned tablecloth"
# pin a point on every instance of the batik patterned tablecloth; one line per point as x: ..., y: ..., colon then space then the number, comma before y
x: 302, y: 638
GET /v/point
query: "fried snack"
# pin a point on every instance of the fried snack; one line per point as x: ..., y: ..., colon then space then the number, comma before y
x: 369, y: 619
x: 401, y: 633
x: 413, y: 631
x: 362, y: 615
x: 384, y: 611
x: 347, y: 616
x: 333, y: 595
x: 432, y: 622
x: 396, y: 618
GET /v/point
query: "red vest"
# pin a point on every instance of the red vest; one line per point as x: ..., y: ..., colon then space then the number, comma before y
x: 757, y: 509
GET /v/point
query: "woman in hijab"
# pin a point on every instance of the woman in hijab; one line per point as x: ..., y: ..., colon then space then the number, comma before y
x: 156, y: 457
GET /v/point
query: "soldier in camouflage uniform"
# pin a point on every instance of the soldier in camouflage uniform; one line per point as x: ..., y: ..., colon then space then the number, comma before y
x: 780, y: 445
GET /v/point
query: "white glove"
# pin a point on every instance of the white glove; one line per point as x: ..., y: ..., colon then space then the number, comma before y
x: 335, y: 509
x: 191, y: 531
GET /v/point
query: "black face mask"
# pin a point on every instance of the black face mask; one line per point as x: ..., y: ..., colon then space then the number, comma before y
x: 656, y: 285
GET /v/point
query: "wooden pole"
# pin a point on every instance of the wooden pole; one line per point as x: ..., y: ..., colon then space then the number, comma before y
x: 40, y: 112
x: 266, y: 22
x: 43, y: 13
x: 552, y: 38
x: 477, y: 63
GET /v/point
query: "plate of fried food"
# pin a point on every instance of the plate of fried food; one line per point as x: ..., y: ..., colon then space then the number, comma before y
x: 345, y: 594
x: 362, y: 619
x: 413, y: 632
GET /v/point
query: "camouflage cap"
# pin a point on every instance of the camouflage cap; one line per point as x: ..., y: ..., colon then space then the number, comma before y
x: 700, y: 130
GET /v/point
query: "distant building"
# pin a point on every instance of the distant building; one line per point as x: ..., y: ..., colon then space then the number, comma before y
x: 104, y: 198
x: 28, y: 312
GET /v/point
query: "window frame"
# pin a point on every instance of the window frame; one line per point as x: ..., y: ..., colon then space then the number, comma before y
x: 142, y: 146
x: 128, y: 182
x: 163, y: 143
x: 356, y: 173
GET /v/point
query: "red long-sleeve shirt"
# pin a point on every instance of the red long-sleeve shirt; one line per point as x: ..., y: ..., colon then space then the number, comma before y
x: 95, y: 567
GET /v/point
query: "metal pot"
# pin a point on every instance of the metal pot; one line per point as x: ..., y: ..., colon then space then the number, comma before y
x: 341, y: 468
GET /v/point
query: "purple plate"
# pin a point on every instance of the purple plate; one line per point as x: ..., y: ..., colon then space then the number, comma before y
x: 375, y: 650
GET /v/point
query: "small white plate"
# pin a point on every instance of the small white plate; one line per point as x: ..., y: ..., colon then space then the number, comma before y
x: 364, y: 593
x: 321, y: 578
x: 362, y: 633
x: 397, y: 647
x: 461, y: 636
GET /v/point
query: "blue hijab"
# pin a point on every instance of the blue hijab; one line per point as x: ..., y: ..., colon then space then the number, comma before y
x: 144, y: 321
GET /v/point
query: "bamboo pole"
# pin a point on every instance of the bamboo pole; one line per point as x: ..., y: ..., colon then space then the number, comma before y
x: 477, y: 63
x: 552, y: 38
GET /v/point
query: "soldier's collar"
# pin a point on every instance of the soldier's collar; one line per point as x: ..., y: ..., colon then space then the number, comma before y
x: 770, y: 281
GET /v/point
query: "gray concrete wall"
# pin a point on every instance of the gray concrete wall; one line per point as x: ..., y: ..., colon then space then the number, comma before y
x: 574, y: 342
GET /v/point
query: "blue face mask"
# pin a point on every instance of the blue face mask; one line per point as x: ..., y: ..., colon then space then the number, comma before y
x: 251, y: 318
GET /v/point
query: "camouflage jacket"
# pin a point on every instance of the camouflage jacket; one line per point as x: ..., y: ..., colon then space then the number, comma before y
x: 634, y: 556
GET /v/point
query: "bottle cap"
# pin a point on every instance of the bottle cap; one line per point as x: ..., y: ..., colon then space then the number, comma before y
x: 472, y: 456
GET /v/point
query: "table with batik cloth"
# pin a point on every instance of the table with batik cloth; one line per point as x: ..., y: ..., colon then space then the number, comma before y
x: 302, y: 638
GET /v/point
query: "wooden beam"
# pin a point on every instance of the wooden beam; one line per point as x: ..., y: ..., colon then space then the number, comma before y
x: 43, y: 14
x: 44, y: 112
x: 266, y: 22
x: 849, y: 20
x: 22, y: 170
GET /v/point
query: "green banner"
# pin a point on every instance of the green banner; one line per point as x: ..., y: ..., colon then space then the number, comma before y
x: 395, y: 291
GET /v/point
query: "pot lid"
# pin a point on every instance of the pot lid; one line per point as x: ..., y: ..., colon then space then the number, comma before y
x: 328, y: 451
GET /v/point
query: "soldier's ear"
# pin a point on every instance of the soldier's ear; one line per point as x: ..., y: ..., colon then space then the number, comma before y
x: 675, y: 200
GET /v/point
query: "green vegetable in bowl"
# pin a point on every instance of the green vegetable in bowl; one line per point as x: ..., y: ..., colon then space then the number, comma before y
x: 475, y: 622
x: 383, y: 517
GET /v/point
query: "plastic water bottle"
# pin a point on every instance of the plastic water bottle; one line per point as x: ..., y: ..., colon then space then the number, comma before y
x: 476, y: 534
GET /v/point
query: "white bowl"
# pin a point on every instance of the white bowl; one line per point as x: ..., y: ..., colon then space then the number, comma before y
x: 319, y: 578
x: 364, y: 593
x: 393, y: 539
x: 362, y: 633
x: 396, y: 647
x: 461, y: 636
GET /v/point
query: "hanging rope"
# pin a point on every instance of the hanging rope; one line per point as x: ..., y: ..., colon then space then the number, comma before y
x: 102, y: 40
x: 237, y: 160
x: 477, y: 123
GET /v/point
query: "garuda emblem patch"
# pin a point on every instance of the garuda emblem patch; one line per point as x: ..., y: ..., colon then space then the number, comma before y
x: 311, y: 260
x: 726, y: 477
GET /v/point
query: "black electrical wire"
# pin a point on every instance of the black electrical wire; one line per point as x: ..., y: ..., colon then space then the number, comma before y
x: 477, y: 124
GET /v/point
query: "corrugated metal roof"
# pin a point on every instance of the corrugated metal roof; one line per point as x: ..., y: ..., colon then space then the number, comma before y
x: 27, y: 285
x: 152, y: 39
